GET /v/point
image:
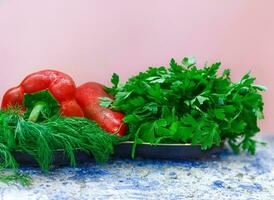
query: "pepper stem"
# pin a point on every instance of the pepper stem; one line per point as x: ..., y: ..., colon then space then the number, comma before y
x: 36, y: 111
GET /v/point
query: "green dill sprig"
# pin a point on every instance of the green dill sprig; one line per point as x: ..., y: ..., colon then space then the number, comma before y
x: 42, y: 139
x: 23, y: 179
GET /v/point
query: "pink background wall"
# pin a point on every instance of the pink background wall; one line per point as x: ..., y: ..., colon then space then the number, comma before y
x: 90, y: 39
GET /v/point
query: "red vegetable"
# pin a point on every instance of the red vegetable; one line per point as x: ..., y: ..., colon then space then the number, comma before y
x: 59, y: 85
x: 87, y: 95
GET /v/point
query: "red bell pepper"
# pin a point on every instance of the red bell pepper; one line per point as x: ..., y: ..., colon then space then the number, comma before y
x: 60, y: 86
x: 88, y: 96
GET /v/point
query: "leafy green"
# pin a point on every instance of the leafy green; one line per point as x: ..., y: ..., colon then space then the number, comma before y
x: 187, y: 104
x: 105, y: 101
x: 49, y: 106
x: 23, y: 179
x: 115, y: 80
x: 42, y: 139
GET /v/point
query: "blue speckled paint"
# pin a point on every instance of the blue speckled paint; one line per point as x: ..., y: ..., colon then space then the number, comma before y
x: 218, y: 184
x: 82, y: 173
x: 256, y: 187
x: 223, y: 176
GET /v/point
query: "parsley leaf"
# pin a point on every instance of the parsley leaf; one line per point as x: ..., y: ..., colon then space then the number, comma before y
x: 183, y: 103
x: 105, y: 102
x: 115, y: 79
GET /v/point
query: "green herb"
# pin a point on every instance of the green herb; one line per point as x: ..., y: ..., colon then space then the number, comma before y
x: 40, y: 105
x: 186, y: 104
x: 23, y: 179
x: 105, y: 101
x: 42, y: 139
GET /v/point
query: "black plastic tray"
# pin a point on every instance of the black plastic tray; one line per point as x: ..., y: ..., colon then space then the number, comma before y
x: 123, y: 151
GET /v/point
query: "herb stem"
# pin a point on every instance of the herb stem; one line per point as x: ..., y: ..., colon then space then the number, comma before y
x: 36, y: 111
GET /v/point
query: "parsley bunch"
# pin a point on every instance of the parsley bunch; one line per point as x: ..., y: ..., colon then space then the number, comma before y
x: 186, y: 104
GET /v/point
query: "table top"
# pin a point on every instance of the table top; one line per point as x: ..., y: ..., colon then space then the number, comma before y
x: 225, y: 176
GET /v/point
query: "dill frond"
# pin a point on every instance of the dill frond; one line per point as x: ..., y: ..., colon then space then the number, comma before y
x: 42, y: 139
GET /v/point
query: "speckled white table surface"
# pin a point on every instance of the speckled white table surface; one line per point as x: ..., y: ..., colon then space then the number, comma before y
x: 224, y: 176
